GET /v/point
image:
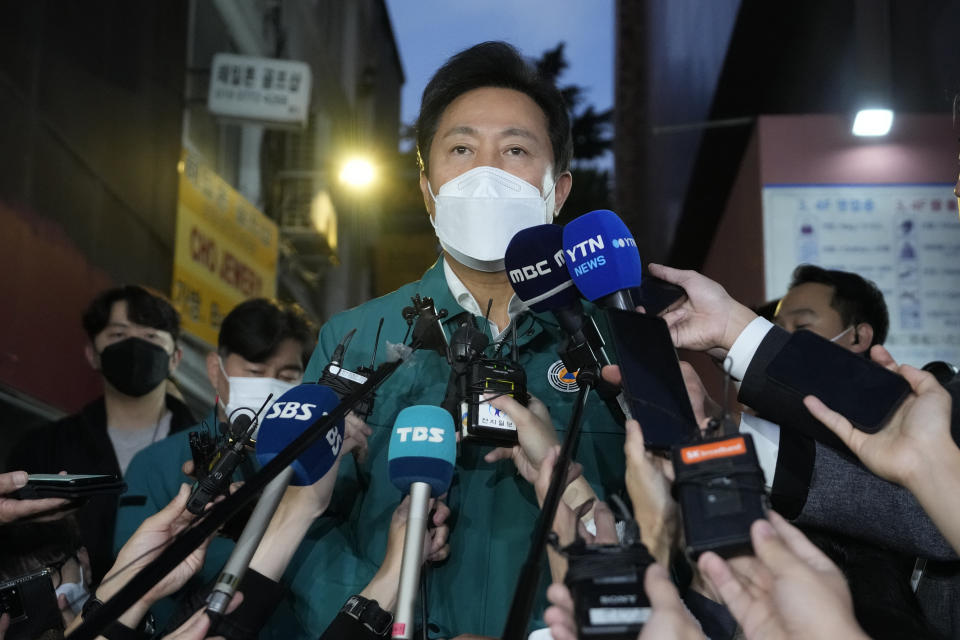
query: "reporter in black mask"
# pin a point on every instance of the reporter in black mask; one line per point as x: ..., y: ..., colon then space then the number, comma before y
x: 133, y: 345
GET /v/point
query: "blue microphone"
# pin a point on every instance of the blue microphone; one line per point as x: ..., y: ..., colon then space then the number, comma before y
x: 421, y: 456
x: 288, y: 417
x: 602, y: 258
x: 423, y: 448
x: 537, y: 271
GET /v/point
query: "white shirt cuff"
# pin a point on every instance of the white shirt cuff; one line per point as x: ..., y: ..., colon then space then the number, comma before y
x: 746, y: 345
x: 766, y: 441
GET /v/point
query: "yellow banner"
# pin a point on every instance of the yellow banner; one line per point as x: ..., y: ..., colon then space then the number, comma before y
x: 225, y: 250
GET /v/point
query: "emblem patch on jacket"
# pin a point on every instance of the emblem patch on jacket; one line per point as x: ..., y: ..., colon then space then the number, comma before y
x: 561, y: 379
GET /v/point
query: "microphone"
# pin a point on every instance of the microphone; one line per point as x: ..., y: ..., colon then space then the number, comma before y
x: 216, y: 481
x: 538, y: 274
x: 537, y: 271
x: 602, y: 259
x: 420, y: 458
x: 288, y: 417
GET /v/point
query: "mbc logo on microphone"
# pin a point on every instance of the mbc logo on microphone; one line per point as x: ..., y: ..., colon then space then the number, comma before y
x: 420, y: 434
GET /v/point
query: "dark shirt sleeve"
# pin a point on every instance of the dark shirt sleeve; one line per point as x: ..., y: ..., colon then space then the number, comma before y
x: 714, y: 618
x: 778, y: 403
x: 261, y: 595
x: 344, y: 626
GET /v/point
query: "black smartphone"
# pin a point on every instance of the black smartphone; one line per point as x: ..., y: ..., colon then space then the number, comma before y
x: 655, y: 294
x: 31, y: 602
x: 861, y: 390
x: 652, y: 381
x: 51, y: 485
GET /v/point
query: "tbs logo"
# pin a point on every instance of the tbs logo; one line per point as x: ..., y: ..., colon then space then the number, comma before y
x: 294, y: 410
x: 420, y: 434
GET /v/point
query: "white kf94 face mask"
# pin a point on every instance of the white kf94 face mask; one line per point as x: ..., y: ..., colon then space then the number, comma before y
x: 477, y: 213
x: 248, y: 394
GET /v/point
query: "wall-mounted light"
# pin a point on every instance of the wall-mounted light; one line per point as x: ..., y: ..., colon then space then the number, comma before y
x: 873, y: 79
x: 872, y: 122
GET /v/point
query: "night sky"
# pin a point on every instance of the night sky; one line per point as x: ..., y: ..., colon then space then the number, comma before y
x: 430, y: 31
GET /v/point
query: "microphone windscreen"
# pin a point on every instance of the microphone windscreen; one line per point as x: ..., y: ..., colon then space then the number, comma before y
x: 535, y: 266
x: 288, y: 417
x: 601, y: 254
x: 423, y: 448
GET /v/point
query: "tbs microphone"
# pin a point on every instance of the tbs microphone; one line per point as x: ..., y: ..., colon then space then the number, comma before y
x: 602, y: 259
x: 288, y: 417
x: 420, y: 457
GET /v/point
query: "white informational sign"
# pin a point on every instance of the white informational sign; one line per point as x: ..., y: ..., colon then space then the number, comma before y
x: 903, y: 237
x: 264, y: 90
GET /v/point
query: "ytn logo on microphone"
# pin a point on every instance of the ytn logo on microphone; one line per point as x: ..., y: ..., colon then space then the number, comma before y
x: 294, y: 410
x: 420, y: 434
x: 531, y: 271
x: 590, y: 245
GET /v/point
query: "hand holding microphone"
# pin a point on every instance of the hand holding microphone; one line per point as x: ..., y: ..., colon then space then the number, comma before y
x: 537, y: 437
x: 315, y: 470
x: 384, y: 585
x: 421, y: 460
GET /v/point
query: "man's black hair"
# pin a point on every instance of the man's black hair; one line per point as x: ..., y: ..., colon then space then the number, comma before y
x: 493, y: 64
x: 31, y: 546
x: 143, y: 307
x: 855, y: 298
x: 255, y: 328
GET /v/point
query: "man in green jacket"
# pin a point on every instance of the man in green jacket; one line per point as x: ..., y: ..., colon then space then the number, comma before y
x: 495, y: 147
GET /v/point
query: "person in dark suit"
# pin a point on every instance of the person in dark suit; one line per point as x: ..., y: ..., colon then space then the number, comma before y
x: 816, y: 481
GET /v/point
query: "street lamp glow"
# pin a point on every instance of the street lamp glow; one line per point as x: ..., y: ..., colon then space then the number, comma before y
x: 872, y: 122
x: 357, y: 173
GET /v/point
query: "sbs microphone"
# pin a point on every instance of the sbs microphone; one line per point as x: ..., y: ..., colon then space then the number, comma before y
x: 288, y: 417
x: 420, y: 459
x: 602, y: 258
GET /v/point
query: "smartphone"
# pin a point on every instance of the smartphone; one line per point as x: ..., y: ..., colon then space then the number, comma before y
x: 861, y: 390
x: 656, y: 294
x: 652, y: 381
x: 31, y: 602
x: 68, y: 480
x: 51, y: 485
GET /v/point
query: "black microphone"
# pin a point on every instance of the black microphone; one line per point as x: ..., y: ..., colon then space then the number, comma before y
x: 537, y: 271
x: 467, y: 344
x: 216, y: 481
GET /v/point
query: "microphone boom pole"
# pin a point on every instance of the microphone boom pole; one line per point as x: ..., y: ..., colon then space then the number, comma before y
x: 247, y: 544
x: 516, y: 625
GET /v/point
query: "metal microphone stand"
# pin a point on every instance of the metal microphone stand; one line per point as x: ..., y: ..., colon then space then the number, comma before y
x: 523, y: 595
